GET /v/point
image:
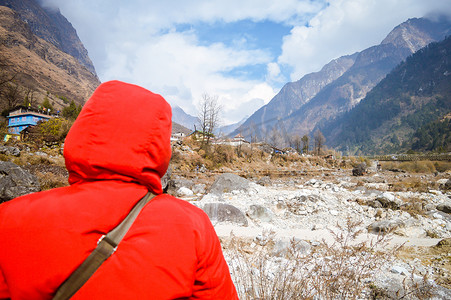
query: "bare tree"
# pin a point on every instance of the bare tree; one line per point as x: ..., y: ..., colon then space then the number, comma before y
x: 9, y: 92
x: 305, y: 143
x: 29, y: 97
x: 12, y: 95
x: 319, y: 140
x: 253, y: 134
x: 295, y: 142
x: 208, y: 114
x: 276, y: 137
x: 5, y: 75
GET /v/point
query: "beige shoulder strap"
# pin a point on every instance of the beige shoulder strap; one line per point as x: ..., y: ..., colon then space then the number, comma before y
x: 106, y: 246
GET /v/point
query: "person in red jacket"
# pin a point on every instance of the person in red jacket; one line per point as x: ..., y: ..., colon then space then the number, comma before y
x: 116, y: 151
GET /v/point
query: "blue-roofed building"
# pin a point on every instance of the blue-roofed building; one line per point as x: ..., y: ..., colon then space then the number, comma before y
x: 21, y: 117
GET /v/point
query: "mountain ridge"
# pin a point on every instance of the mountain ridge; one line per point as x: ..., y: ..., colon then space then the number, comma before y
x: 390, y: 118
x: 370, y: 66
x: 39, y: 67
x: 303, y: 89
x: 49, y: 24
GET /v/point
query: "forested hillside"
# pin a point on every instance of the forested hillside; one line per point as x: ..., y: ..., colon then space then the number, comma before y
x: 405, y: 111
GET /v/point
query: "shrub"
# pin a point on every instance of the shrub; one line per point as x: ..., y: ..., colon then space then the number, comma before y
x: 222, y: 154
x: 413, y: 166
x: 442, y: 166
x: 418, y: 166
x: 49, y: 132
x: 49, y: 180
x: 341, y: 270
x: 72, y: 111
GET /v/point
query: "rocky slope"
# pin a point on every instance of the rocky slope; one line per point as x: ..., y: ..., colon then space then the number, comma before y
x: 49, y: 24
x: 292, y: 97
x: 40, y: 66
x: 338, y: 95
x: 389, y: 119
x: 181, y: 117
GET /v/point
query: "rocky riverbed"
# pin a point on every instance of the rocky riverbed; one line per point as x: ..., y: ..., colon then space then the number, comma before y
x: 313, y: 209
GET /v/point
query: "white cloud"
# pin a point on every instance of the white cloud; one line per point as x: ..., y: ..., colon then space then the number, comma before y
x: 273, y: 73
x: 347, y: 26
x: 175, y: 66
x: 136, y: 41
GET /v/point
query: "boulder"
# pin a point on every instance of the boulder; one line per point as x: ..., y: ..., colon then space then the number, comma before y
x: 384, y: 226
x: 15, y: 181
x: 399, y: 270
x: 226, y: 183
x: 444, y: 243
x: 220, y: 212
x: 258, y: 212
x: 284, y: 247
x: 198, y: 188
x: 184, y: 192
x: 173, y: 183
x: 445, y: 207
x: 9, y: 150
x: 166, y: 179
x: 374, y: 203
x: 265, y: 181
x: 359, y: 170
x: 448, y: 185
x: 388, y: 200
x: 445, y: 184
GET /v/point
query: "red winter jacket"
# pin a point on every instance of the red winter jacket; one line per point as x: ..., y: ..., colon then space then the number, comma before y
x: 117, y: 150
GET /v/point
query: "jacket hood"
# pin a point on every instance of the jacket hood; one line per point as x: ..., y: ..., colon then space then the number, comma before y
x: 122, y: 133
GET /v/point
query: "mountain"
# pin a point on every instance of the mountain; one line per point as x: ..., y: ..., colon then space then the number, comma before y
x: 41, y: 70
x: 177, y: 129
x: 409, y: 109
x: 292, y: 96
x: 50, y: 25
x: 330, y: 96
x: 228, y: 129
x: 181, y: 117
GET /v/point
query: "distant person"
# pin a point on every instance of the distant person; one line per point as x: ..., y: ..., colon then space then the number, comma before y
x: 116, y: 151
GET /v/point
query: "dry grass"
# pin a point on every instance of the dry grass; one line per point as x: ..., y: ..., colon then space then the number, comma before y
x: 413, y: 184
x: 414, y: 206
x: 342, y: 270
x: 49, y: 167
x: 49, y: 180
x: 438, y: 256
x: 417, y: 166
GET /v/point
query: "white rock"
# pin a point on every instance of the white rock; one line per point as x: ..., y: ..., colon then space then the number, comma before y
x: 442, y: 181
x: 333, y: 212
x: 399, y: 270
x: 184, y: 191
x: 437, y: 216
x: 435, y: 192
x: 317, y: 226
x: 388, y: 196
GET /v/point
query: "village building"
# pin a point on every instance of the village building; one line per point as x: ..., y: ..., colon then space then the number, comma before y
x: 22, y: 117
x: 179, y: 132
x: 177, y: 136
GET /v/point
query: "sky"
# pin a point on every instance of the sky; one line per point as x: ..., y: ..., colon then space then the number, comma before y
x: 240, y: 51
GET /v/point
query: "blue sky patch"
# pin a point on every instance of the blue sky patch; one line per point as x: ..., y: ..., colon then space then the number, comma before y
x: 245, y: 34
